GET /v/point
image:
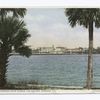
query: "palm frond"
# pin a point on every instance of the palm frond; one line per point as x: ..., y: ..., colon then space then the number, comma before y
x: 83, y: 16
x: 17, y: 12
x: 13, y: 33
x: 24, y: 51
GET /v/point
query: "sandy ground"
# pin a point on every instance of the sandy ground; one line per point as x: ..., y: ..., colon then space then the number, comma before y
x: 43, y: 92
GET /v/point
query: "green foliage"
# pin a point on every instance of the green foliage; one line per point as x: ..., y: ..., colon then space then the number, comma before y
x: 17, y: 12
x: 83, y: 16
x: 24, y: 51
x: 14, y: 34
x: 98, y: 50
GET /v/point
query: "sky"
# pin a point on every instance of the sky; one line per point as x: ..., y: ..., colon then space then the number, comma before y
x: 49, y: 26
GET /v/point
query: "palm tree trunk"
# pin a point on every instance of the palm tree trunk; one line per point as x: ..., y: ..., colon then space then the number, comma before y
x: 3, y: 67
x: 90, y: 58
x: 2, y: 73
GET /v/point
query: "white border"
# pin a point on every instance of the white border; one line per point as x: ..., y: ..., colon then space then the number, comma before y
x: 50, y: 3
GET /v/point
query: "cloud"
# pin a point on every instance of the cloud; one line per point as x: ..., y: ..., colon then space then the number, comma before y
x: 49, y: 26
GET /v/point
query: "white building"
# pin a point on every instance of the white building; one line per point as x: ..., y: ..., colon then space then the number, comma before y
x: 60, y: 50
x: 46, y: 49
x: 75, y: 50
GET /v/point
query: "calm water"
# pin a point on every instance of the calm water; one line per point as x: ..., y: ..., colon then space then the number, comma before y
x: 64, y: 70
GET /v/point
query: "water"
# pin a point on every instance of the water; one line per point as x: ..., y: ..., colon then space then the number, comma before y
x: 62, y: 70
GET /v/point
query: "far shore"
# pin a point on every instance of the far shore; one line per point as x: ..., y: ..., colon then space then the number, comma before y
x: 52, y: 54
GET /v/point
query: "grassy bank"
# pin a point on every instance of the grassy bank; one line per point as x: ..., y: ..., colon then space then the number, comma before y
x: 34, y: 85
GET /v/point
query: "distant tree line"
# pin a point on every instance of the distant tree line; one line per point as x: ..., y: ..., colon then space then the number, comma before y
x: 95, y: 51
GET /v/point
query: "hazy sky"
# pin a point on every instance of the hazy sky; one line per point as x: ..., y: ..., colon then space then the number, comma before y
x: 49, y: 26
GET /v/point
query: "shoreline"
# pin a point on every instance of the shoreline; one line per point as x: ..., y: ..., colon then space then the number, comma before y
x: 43, y: 87
x: 53, y: 54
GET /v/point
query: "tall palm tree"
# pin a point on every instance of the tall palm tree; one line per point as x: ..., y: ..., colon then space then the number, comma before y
x: 13, y: 36
x: 88, y: 18
x: 14, y: 12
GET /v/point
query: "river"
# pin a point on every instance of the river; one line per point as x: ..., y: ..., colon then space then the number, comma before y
x: 59, y: 70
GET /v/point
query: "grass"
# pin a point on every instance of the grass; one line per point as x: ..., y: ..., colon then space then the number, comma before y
x: 34, y: 85
x: 22, y: 85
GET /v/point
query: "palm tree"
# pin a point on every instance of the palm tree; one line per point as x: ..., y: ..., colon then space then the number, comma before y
x: 14, y: 12
x: 13, y: 36
x: 88, y: 18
